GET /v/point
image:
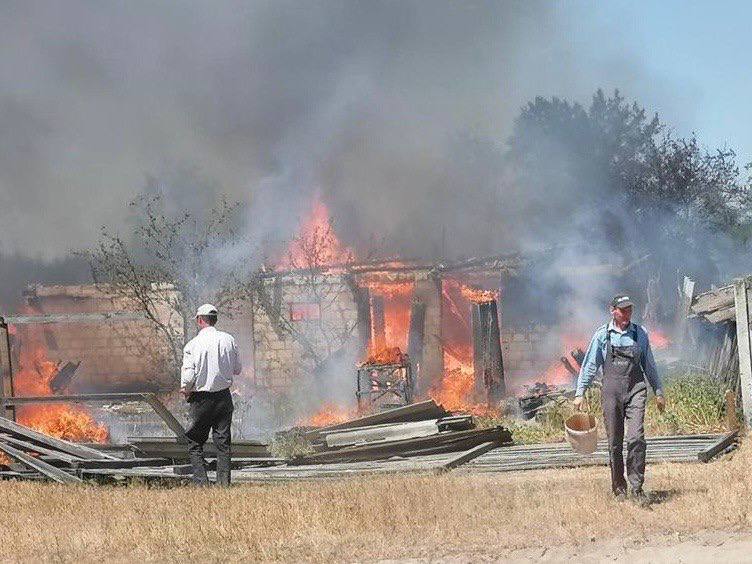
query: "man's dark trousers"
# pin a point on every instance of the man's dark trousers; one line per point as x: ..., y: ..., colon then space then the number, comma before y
x: 210, y: 411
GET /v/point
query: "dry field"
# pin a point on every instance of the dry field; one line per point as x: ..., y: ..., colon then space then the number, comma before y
x: 455, y: 517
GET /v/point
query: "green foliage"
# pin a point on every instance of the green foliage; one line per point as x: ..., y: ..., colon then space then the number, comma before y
x: 694, y: 405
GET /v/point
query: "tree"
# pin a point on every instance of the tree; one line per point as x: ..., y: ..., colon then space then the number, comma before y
x: 610, y: 179
x: 170, y: 263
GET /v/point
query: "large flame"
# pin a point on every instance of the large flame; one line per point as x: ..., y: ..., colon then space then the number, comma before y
x: 396, y: 298
x: 33, y: 378
x: 316, y: 245
x: 329, y: 414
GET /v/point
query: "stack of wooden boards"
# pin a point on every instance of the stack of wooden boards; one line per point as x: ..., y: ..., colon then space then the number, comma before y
x: 421, y: 437
x: 418, y: 429
x: 30, y: 454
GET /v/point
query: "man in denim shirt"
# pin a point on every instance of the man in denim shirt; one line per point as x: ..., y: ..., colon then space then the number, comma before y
x: 622, y: 350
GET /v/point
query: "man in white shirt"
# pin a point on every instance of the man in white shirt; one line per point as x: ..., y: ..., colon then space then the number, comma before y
x: 210, y: 360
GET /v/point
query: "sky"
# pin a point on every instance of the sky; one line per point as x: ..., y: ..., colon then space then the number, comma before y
x: 272, y: 102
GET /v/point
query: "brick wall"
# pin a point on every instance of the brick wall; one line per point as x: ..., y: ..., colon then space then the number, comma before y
x: 114, y: 355
x: 526, y: 351
x: 324, y: 317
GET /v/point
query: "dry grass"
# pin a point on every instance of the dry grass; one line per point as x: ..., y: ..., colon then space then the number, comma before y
x: 386, y: 517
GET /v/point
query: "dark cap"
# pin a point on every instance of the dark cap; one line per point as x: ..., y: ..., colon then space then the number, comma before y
x: 622, y: 301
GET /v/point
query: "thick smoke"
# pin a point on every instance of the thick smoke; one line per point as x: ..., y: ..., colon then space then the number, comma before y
x: 372, y: 104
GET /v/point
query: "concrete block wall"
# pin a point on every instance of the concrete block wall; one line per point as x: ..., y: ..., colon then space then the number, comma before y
x: 279, y: 359
x: 526, y: 351
x: 114, y: 355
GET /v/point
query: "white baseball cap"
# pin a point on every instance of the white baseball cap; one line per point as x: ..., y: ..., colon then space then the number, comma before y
x: 206, y: 309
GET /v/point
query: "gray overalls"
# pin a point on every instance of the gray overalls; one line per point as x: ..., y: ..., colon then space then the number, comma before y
x: 624, y: 394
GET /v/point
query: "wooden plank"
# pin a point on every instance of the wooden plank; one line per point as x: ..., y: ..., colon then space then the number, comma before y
x: 741, y: 300
x: 414, y: 412
x: 685, y: 297
x: 80, y: 451
x: 26, y: 446
x: 40, y: 466
x: 718, y: 316
x: 441, y: 443
x: 726, y: 441
x: 469, y: 455
x: 382, y: 433
x: 179, y: 451
x: 75, y: 317
x: 78, y: 398
x: 6, y: 372
x: 378, y: 323
x: 363, y: 307
x: 415, y: 339
x: 121, y: 464
x: 714, y: 300
x: 160, y: 409
x: 166, y: 416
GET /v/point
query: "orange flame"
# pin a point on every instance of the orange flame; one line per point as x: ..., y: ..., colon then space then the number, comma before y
x: 387, y: 355
x: 658, y: 339
x: 329, y: 414
x: 456, y: 391
x: 316, y: 245
x: 59, y: 420
x: 478, y: 296
x: 397, y: 299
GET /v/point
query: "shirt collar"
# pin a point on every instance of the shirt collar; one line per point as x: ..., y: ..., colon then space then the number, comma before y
x: 210, y: 329
x: 612, y: 327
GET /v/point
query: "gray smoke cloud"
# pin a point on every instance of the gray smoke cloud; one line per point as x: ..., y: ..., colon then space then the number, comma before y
x: 370, y: 104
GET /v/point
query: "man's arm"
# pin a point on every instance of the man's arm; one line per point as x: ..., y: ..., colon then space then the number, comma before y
x: 650, y: 369
x: 591, y: 363
x: 187, y: 371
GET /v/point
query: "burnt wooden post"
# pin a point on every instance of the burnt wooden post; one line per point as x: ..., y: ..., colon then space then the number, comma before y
x: 686, y: 293
x: 741, y: 307
x: 488, y: 363
x: 428, y: 292
x: 363, y: 307
x: 378, y: 322
x: 6, y: 372
x: 415, y: 339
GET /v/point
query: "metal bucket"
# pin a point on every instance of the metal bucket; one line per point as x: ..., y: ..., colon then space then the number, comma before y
x: 580, y: 432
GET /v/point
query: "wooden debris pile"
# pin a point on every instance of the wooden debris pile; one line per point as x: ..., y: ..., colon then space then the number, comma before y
x: 33, y: 455
x: 418, y: 429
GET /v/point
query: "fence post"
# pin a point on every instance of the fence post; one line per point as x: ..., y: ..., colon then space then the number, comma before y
x: 6, y: 372
x: 741, y: 307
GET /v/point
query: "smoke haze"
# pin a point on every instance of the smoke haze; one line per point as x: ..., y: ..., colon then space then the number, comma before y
x: 374, y: 105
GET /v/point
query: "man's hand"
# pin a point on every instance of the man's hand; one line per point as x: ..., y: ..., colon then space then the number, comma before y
x: 660, y: 403
x: 579, y: 402
x: 186, y: 393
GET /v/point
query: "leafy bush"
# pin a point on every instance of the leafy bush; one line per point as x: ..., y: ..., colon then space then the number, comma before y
x: 694, y: 404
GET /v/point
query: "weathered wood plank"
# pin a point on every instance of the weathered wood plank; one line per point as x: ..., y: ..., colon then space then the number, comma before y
x: 80, y: 451
x: 741, y: 297
x: 726, y: 441
x: 27, y: 446
x: 166, y: 416
x: 74, y: 317
x: 469, y: 455
x: 413, y: 412
x: 713, y: 300
x: 382, y: 433
x: 6, y: 372
x: 40, y: 466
